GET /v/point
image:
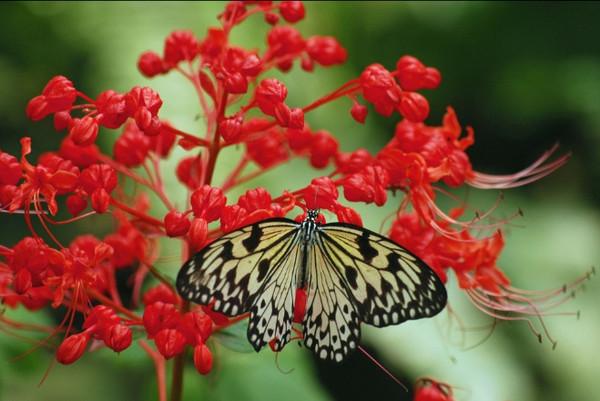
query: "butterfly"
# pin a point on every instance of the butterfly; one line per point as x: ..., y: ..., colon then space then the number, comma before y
x: 351, y: 275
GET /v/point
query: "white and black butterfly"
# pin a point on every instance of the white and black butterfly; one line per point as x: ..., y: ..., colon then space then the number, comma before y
x: 350, y: 274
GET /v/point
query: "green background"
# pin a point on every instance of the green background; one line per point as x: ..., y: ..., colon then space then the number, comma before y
x: 523, y: 75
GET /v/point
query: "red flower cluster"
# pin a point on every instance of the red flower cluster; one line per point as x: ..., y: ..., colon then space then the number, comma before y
x: 241, y: 105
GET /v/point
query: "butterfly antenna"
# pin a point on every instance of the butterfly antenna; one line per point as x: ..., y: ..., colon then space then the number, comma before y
x: 279, y: 368
x: 380, y: 366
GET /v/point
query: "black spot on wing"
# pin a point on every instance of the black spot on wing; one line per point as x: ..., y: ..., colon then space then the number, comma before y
x: 351, y: 276
x: 263, y: 268
x: 251, y: 243
x: 365, y: 248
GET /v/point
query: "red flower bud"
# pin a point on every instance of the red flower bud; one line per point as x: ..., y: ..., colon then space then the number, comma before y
x: 62, y: 120
x: 322, y: 149
x: 60, y: 94
x: 76, y: 204
x: 413, y: 75
x: 203, y: 359
x: 299, y: 139
x: 112, y: 109
x: 268, y: 149
x: 160, y: 293
x: 269, y: 93
x: 176, y: 224
x: 84, y: 131
x: 119, y: 337
x: 22, y: 281
x: 284, y: 40
x: 208, y: 202
x: 100, y: 200
x: 72, y: 348
x: 255, y: 199
x: 197, y: 326
x: 348, y: 163
x: 162, y: 143
x: 198, y: 233
x: 271, y: 18
x: 81, y: 156
x: 367, y: 186
x: 98, y: 176
x: 292, y: 11
x: 359, y: 112
x: 231, y: 128
x: 379, y: 88
x: 150, y: 64
x: 180, y: 45
x: 188, y: 171
x: 252, y: 65
x: 236, y: 83
x: 325, y: 50
x: 10, y: 169
x: 132, y: 147
x: 169, y: 342
x: 296, y: 118
x: 37, y: 108
x: 348, y: 215
x: 233, y: 217
x: 322, y: 193
x: 158, y: 316
x: 413, y: 106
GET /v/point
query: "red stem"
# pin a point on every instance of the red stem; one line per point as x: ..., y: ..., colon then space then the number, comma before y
x: 134, y: 212
x: 159, y: 367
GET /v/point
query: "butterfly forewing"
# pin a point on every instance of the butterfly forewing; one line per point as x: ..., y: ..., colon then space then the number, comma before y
x: 387, y: 283
x: 248, y: 270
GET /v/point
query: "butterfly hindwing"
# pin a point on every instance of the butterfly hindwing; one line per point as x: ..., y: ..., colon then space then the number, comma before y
x: 248, y: 270
x: 386, y: 282
x: 331, y: 323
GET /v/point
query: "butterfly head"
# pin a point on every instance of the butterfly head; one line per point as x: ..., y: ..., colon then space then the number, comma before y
x: 312, y: 215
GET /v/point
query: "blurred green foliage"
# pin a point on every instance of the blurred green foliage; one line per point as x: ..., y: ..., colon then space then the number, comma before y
x: 524, y: 75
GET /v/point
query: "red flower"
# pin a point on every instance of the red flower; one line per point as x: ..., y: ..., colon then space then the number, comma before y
x: 150, y: 64
x: 413, y: 106
x: 359, y: 112
x: 378, y: 87
x: 323, y: 148
x: 84, y: 131
x: 269, y: 93
x: 203, y: 359
x: 169, y: 342
x: 208, y: 202
x: 188, y: 172
x: 413, y: 75
x: 112, y: 109
x: 321, y: 193
x: 59, y: 94
x: 198, y: 234
x: 176, y: 224
x: 325, y: 50
x: 119, y: 337
x: 10, y: 169
x: 132, y: 147
x: 367, y: 186
x: 268, y: 149
x: 179, y: 46
x: 72, y: 348
x: 160, y: 293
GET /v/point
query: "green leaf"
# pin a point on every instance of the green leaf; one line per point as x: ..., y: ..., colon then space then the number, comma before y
x: 234, y: 337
